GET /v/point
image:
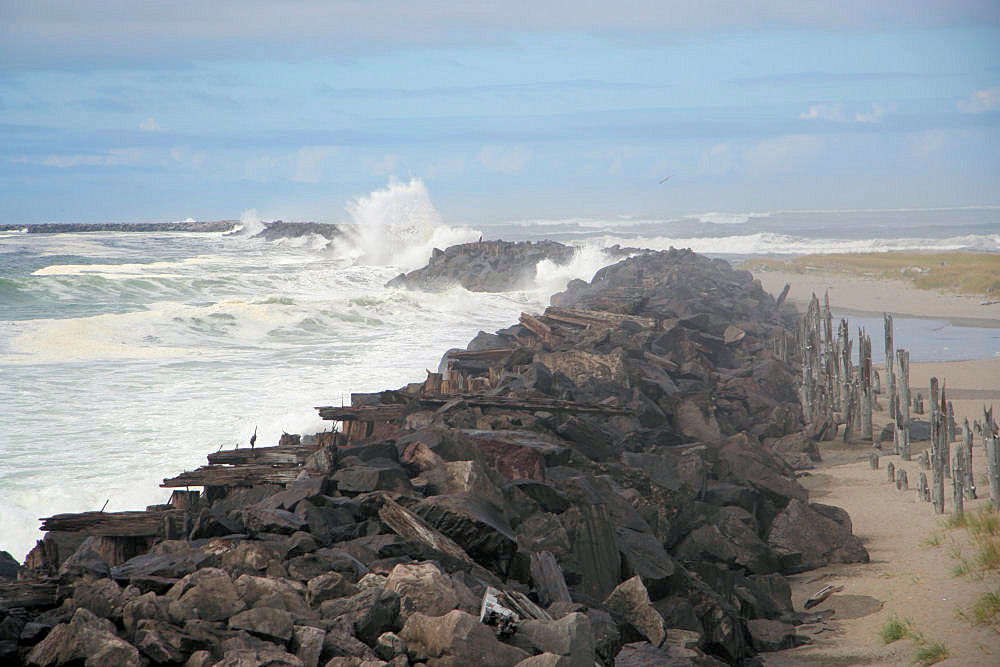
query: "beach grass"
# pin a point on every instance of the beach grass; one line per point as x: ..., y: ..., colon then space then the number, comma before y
x: 893, y: 630
x: 961, y: 272
x: 928, y: 654
x: 986, y: 609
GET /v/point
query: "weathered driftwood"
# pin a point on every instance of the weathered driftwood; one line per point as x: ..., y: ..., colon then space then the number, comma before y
x: 890, y: 373
x: 586, y: 318
x: 903, y: 404
x: 409, y: 526
x: 384, y: 412
x: 873, y: 460
x: 958, y: 482
x: 865, y: 387
x: 923, y: 490
x: 891, y: 471
x: 536, y: 326
x: 970, y: 478
x: 992, y: 446
x: 902, y: 484
x: 240, y: 475
x: 939, y: 450
x: 28, y: 594
x: 118, y: 524
x: 782, y: 296
x: 262, y: 455
x: 821, y: 595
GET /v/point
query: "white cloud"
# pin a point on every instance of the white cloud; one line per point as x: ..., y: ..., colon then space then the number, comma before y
x: 188, y: 157
x: 927, y: 143
x: 718, y: 160
x: 824, y: 112
x: 873, y: 116
x: 504, y: 159
x: 113, y: 158
x: 381, y: 166
x: 150, y: 125
x: 981, y: 101
x: 309, y: 162
x: 781, y: 153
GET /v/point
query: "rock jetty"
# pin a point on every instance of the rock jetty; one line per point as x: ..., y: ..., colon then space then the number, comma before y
x: 77, y: 227
x: 608, y: 482
x: 486, y: 266
x: 283, y: 230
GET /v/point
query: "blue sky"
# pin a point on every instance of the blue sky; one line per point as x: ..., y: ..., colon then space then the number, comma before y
x: 161, y: 111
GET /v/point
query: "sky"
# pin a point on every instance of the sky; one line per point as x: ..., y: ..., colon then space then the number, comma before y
x: 124, y: 111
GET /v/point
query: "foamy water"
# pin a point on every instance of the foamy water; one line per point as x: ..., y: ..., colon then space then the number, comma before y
x: 126, y: 358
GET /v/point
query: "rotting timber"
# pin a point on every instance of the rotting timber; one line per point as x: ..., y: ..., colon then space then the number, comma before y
x: 625, y: 459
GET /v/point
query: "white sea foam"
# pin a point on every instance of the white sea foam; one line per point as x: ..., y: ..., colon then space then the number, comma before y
x: 551, y: 277
x: 398, y: 226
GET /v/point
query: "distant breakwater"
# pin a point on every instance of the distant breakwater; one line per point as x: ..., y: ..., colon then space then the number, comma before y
x: 75, y: 227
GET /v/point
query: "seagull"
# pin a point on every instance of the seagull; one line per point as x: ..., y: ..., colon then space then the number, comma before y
x: 253, y: 438
x: 666, y: 179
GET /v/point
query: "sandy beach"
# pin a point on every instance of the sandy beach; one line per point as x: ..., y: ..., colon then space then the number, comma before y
x: 908, y: 576
x: 871, y: 296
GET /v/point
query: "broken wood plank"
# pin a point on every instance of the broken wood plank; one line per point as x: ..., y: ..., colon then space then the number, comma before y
x: 548, y: 578
x: 585, y: 318
x: 527, y: 405
x: 481, y: 355
x: 382, y: 412
x: 117, y: 524
x: 536, y: 326
x: 241, y: 475
x: 263, y: 455
x: 821, y: 595
x: 28, y: 594
x: 409, y: 526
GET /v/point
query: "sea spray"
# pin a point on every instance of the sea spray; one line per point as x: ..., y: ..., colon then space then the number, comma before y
x: 398, y: 226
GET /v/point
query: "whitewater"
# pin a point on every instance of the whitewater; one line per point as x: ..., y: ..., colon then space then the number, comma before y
x: 125, y: 358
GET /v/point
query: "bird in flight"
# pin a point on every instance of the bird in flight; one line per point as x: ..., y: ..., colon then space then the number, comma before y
x: 666, y: 179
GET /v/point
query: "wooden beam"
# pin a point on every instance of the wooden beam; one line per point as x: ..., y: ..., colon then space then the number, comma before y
x: 536, y: 326
x: 240, y: 475
x: 585, y: 318
x: 263, y: 455
x: 383, y: 412
x: 116, y: 524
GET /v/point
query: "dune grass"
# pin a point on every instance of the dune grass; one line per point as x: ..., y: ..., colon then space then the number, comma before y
x: 961, y: 272
x: 928, y: 654
x: 894, y: 629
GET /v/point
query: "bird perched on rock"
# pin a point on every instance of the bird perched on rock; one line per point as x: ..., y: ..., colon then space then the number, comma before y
x: 253, y: 438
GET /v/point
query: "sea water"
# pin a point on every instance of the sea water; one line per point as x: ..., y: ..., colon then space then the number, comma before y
x: 126, y: 358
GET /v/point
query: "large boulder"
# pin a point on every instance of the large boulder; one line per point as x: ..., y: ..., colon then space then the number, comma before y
x: 808, y: 535
x: 629, y: 603
x: 423, y: 587
x: 570, y: 636
x: 477, y: 526
x: 266, y: 622
x: 85, y: 639
x: 459, y: 636
x: 207, y: 594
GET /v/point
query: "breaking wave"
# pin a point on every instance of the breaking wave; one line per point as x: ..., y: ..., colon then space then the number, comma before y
x: 398, y: 226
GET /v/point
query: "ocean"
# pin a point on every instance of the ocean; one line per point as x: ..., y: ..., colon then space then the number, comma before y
x: 127, y: 357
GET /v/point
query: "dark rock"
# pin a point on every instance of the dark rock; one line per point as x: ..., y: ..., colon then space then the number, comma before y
x: 325, y: 560
x: 146, y: 606
x: 730, y: 538
x: 769, y: 635
x: 9, y: 567
x: 475, y: 525
x: 804, y: 539
x: 281, y: 522
x: 300, y: 543
x: 274, y: 592
x: 766, y: 596
x: 490, y: 266
x: 329, y: 586
x: 307, y: 644
x: 798, y: 450
x: 369, y: 613
x: 258, y: 657
x: 644, y: 654
x: 570, y: 636
x: 374, y: 476
x: 103, y: 597
x: 163, y: 643
x: 423, y: 587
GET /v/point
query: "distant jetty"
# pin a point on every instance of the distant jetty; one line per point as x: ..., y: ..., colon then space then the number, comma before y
x: 77, y: 227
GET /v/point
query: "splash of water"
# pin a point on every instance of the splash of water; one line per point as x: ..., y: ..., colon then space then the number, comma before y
x: 250, y: 223
x: 398, y: 226
x: 551, y: 277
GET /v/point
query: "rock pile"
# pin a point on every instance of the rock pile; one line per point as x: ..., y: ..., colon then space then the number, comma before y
x: 486, y: 266
x: 280, y: 229
x: 610, y: 481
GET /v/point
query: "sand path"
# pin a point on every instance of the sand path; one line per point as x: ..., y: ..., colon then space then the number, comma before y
x: 907, y: 577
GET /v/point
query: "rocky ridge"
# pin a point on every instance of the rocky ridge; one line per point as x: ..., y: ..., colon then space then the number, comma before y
x: 486, y: 266
x: 611, y: 481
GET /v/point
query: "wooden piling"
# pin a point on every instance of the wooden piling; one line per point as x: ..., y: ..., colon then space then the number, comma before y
x: 992, y: 447
x: 873, y: 460
x: 903, y: 401
x: 938, y: 451
x: 923, y: 491
x: 958, y: 482
x: 970, y: 478
x: 890, y: 374
x: 890, y: 469
x: 901, y: 482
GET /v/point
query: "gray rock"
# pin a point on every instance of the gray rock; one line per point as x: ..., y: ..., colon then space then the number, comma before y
x: 265, y: 622
x: 570, y: 636
x: 804, y: 539
x: 770, y: 635
x: 161, y: 642
x: 207, y: 594
x: 422, y: 587
x: 629, y: 602
x: 278, y: 593
x: 475, y: 525
x: 328, y: 587
x: 307, y: 644
x: 277, y: 521
x: 389, y: 645
x: 368, y: 613
x: 458, y: 636
x: 87, y: 639
x: 258, y: 657
x: 103, y: 597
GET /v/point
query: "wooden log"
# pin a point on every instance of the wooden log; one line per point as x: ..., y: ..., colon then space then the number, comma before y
x: 585, y: 318
x: 432, y: 385
x: 781, y: 297
x: 890, y: 355
x: 548, y: 578
x: 958, y: 482
x: 369, y: 413
x: 409, y: 526
x: 970, y: 477
x: 241, y: 475
x: 902, y: 484
x: 923, y: 490
x: 536, y: 326
x: 116, y: 524
x: 263, y: 455
x: 185, y: 500
x: 891, y: 470
x: 903, y: 403
x: 939, y: 450
x: 28, y: 594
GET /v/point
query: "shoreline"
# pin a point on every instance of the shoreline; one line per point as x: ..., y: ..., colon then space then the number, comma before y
x: 872, y: 297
